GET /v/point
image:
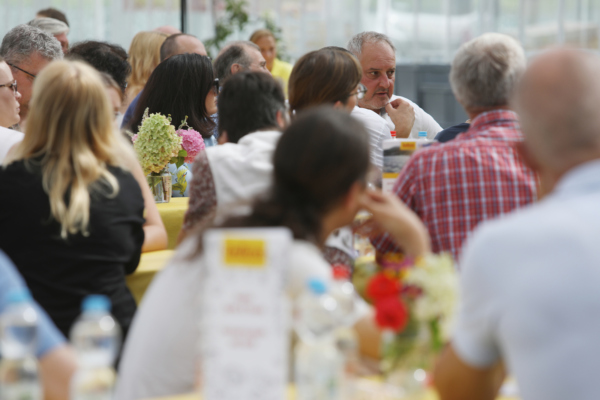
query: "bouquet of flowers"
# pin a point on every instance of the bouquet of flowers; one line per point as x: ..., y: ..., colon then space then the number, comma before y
x: 157, y: 143
x: 415, y: 302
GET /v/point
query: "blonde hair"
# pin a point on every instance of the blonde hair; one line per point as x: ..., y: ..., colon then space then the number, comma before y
x: 257, y: 35
x: 144, y: 56
x: 69, y: 136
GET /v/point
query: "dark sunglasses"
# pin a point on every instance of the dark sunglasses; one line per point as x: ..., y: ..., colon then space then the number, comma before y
x: 22, y: 70
x: 217, y: 88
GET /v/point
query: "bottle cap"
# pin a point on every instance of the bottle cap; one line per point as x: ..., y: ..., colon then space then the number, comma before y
x: 340, y: 272
x: 393, y: 133
x: 422, y: 134
x: 96, y: 302
x: 20, y: 295
x: 317, y: 286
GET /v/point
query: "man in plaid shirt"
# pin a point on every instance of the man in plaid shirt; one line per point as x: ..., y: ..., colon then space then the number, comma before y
x: 480, y: 175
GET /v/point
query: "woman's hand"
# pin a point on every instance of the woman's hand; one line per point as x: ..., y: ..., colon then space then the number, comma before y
x: 392, y: 216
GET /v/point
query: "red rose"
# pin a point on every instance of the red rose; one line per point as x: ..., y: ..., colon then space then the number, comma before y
x: 382, y: 286
x: 391, y: 313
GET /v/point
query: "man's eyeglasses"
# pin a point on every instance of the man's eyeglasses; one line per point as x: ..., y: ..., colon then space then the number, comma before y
x: 22, y: 70
x: 11, y: 85
x: 216, y: 87
x: 360, y: 92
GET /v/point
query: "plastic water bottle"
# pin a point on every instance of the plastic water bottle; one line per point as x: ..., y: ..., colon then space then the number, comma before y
x: 346, y: 339
x: 96, y: 338
x: 318, y: 362
x: 18, y: 336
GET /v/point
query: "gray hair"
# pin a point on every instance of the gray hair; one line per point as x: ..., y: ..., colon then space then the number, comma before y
x: 24, y: 40
x: 355, y: 44
x: 486, y: 70
x: 50, y: 25
x: 233, y: 53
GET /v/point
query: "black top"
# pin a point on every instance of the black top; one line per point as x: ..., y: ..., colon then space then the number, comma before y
x: 449, y: 134
x: 61, y: 272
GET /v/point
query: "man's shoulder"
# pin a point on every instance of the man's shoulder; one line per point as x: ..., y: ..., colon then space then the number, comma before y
x: 252, y: 143
x: 523, y: 228
x: 370, y: 119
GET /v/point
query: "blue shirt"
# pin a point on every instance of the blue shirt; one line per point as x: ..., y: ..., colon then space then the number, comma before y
x: 48, y: 336
x: 449, y: 134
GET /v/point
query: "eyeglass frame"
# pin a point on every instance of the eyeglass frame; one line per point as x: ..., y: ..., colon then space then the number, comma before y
x: 11, y: 85
x: 360, y: 92
x: 22, y: 70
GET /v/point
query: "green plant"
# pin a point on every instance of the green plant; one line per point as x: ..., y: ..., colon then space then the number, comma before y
x: 235, y: 16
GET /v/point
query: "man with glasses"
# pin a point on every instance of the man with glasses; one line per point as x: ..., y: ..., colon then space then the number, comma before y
x: 27, y: 50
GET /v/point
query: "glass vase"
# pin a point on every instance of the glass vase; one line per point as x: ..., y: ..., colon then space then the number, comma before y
x: 407, y: 360
x: 160, y: 186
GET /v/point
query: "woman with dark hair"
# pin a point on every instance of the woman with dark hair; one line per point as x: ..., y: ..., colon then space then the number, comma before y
x: 320, y: 169
x: 180, y: 86
x: 328, y: 76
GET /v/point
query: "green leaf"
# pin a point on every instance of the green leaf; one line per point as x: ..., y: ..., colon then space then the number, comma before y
x: 182, y: 153
x: 173, y: 160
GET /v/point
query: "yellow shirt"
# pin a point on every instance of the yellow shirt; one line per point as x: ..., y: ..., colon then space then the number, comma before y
x: 281, y: 72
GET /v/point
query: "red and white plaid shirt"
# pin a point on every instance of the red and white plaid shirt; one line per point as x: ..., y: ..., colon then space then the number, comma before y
x: 456, y: 185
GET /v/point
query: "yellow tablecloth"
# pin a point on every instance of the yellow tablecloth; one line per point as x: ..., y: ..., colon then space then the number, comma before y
x: 150, y: 264
x: 291, y: 395
x: 172, y: 214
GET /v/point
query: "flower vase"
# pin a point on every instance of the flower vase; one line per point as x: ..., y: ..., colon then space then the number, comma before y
x: 407, y: 360
x: 160, y: 185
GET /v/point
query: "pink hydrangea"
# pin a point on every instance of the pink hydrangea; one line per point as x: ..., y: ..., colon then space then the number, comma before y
x: 192, y: 142
x: 134, y: 138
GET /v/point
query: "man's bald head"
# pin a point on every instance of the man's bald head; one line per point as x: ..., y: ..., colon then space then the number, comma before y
x: 557, y: 101
x: 167, y: 29
x: 180, y: 44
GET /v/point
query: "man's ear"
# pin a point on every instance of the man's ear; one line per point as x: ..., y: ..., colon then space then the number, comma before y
x: 338, y: 105
x: 283, y: 119
x: 223, y: 138
x: 235, y: 68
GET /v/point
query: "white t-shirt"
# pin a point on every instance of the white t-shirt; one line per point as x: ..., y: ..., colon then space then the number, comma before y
x: 8, y: 138
x: 159, y: 357
x: 378, y: 132
x: 423, y: 121
x: 531, y: 292
x: 242, y: 170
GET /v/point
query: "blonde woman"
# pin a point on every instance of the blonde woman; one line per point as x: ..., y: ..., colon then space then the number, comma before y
x: 280, y: 70
x: 144, y: 56
x: 72, y: 218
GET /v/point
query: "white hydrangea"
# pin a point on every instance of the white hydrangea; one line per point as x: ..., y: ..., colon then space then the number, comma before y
x: 437, y: 278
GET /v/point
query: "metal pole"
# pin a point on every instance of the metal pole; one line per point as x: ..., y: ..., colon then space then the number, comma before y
x: 183, y: 15
x: 560, y: 35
